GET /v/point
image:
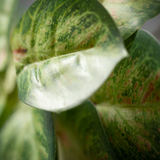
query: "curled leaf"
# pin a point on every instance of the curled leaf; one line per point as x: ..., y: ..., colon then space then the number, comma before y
x: 64, y: 50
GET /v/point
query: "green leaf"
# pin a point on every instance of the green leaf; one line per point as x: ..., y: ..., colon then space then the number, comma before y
x: 135, y: 80
x: 133, y: 132
x: 7, y: 84
x: 9, y: 107
x: 130, y: 15
x: 81, y: 134
x: 6, y: 10
x: 71, y: 46
x: 28, y: 134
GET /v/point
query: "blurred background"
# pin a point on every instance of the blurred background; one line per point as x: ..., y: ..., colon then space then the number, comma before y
x: 153, y: 25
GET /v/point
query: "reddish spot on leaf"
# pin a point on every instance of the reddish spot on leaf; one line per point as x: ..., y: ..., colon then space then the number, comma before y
x: 157, y: 76
x: 136, y: 85
x: 19, y: 53
x: 127, y: 72
x: 157, y: 98
x: 118, y: 96
x: 148, y: 93
x: 148, y: 145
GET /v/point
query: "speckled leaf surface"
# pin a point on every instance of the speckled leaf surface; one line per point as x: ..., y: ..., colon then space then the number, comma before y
x: 6, y: 9
x: 81, y: 134
x: 130, y: 15
x: 134, y: 133
x: 28, y: 134
x: 135, y: 80
x: 64, y: 50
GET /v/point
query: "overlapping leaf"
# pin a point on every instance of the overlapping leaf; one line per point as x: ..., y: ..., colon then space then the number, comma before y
x: 133, y: 127
x: 64, y: 50
x: 136, y: 80
x: 133, y: 132
x: 130, y: 15
x: 28, y: 134
x: 81, y: 134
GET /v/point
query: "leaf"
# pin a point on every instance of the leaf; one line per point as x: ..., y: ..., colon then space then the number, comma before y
x: 135, y: 80
x: 71, y: 46
x: 133, y: 132
x: 28, y: 134
x: 9, y: 106
x: 6, y: 71
x: 130, y: 15
x: 81, y: 134
x: 6, y: 10
x: 7, y: 86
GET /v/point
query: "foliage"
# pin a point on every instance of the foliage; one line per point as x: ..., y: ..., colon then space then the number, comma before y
x: 91, y: 75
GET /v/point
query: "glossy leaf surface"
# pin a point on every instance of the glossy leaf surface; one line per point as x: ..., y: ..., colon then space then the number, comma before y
x: 81, y: 134
x: 130, y: 15
x: 71, y: 46
x: 133, y: 132
x: 28, y: 134
x: 135, y: 80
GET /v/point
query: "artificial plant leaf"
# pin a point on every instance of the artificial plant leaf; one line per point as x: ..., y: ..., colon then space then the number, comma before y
x: 64, y: 50
x: 135, y: 80
x: 130, y: 15
x: 81, y: 134
x: 133, y: 132
x: 28, y: 134
x: 6, y: 9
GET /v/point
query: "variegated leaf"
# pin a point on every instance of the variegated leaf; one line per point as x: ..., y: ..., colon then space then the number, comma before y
x: 133, y: 132
x: 64, y: 50
x: 135, y: 80
x: 28, y: 134
x: 130, y: 15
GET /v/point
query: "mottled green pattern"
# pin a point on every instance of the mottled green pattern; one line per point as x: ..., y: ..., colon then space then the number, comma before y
x: 56, y: 27
x: 130, y: 15
x: 136, y: 80
x: 134, y: 133
x: 28, y: 135
x: 81, y: 134
x: 82, y: 28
